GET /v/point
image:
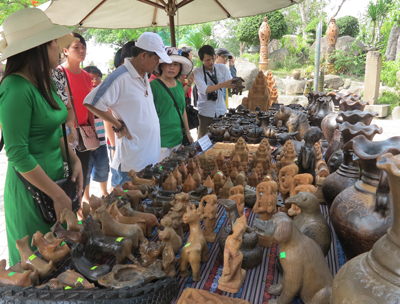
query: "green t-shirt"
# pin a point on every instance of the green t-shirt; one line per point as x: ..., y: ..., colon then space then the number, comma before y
x: 170, y: 124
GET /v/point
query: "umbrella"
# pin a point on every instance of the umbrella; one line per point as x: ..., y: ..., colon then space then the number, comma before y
x: 123, y: 14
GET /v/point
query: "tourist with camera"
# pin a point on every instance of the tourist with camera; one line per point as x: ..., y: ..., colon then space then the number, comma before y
x: 210, y: 80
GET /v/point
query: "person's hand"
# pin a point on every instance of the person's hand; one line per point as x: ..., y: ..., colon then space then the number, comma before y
x: 228, y: 84
x: 232, y: 61
x: 190, y: 79
x: 72, y: 136
x: 60, y: 202
x: 190, y: 138
x: 123, y: 133
x: 77, y: 176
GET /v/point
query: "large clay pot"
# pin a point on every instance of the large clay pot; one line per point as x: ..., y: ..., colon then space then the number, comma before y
x: 355, y: 116
x: 328, y: 126
x: 358, y: 220
x: 374, y: 277
x: 350, y: 102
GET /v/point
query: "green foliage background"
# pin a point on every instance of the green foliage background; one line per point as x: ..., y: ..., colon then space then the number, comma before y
x: 348, y: 26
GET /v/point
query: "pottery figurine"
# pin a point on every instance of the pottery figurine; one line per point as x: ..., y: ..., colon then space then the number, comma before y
x: 232, y: 274
x: 239, y: 189
x: 196, y: 246
x: 289, y: 154
x: 29, y: 260
x: 168, y: 261
x: 8, y: 277
x: 311, y: 221
x: 362, y: 213
x: 54, y: 251
x: 189, y: 184
x: 141, y: 181
x: 197, y: 178
x: 150, y: 219
x: 85, y: 210
x: 253, y: 178
x: 224, y: 191
x: 234, y: 173
x: 286, y: 178
x: 178, y: 176
x: 260, y: 171
x: 263, y: 156
x: 306, y: 272
x: 308, y: 155
x: 239, y: 200
x: 170, y: 183
x: 241, y: 179
x: 219, y: 181
x: 267, y: 198
x: 220, y: 160
x: 210, y: 217
x: 209, y: 184
x: 72, y: 278
x: 191, y: 166
x: 169, y: 235
x: 178, y: 208
x: 294, y: 120
x: 111, y: 227
x: 183, y: 170
x: 76, y: 237
x: 150, y: 252
x: 67, y: 216
x: 374, y: 276
x: 129, y: 220
x: 198, y: 296
x: 33, y: 276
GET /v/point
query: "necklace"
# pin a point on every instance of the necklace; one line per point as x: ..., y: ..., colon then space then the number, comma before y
x: 145, y: 87
x: 168, y: 82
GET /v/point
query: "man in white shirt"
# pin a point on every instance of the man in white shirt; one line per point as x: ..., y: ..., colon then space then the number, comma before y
x: 127, y: 93
x: 210, y: 79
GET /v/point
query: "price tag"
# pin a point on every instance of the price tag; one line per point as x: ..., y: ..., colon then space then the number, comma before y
x: 187, y: 245
x: 119, y: 239
x: 11, y: 274
x: 79, y: 280
x: 205, y: 143
x: 80, y: 222
x: 68, y: 287
x: 63, y: 243
x: 32, y: 257
x: 120, y: 197
x: 93, y: 268
x: 160, y: 168
x: 125, y: 191
x: 283, y: 255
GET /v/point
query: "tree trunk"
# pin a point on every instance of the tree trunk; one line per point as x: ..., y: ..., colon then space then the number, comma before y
x: 304, y: 8
x: 398, y: 49
x: 391, y: 49
x: 242, y: 47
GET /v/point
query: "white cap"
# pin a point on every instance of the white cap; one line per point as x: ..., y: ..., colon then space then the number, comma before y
x: 153, y: 43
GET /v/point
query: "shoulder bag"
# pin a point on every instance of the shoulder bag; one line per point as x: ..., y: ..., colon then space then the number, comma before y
x: 185, y: 140
x: 43, y: 201
x: 87, y: 135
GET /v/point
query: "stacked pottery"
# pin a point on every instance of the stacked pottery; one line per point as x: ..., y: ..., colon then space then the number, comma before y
x: 374, y: 276
x: 348, y: 172
x: 360, y: 216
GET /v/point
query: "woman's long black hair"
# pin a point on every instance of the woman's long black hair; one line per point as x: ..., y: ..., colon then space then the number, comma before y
x: 37, y: 60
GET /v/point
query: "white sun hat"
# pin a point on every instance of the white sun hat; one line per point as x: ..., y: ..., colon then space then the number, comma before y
x: 153, y: 43
x: 29, y: 28
x: 175, y: 55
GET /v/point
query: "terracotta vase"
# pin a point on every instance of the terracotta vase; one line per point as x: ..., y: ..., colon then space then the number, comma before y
x: 348, y: 172
x: 350, y: 102
x: 374, y: 276
x: 361, y: 213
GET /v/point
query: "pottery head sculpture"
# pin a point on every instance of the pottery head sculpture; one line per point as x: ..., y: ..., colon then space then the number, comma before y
x: 236, y: 190
x: 306, y: 201
x: 280, y: 227
x: 266, y: 194
x: 193, y: 215
x: 240, y: 225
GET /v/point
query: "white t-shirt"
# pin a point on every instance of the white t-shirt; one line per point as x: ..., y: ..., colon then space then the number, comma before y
x: 207, y: 107
x: 123, y: 91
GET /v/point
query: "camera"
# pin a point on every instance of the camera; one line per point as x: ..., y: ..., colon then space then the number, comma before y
x: 212, y: 96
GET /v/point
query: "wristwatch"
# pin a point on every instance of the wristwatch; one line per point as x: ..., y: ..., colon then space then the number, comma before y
x: 112, y: 147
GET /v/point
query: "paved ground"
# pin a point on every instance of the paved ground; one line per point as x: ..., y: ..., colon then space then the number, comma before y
x: 390, y: 128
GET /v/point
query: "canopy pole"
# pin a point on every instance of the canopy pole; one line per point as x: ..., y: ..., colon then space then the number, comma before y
x: 172, y: 30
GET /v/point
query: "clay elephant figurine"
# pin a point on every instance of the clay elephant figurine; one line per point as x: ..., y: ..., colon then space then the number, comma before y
x: 238, y: 81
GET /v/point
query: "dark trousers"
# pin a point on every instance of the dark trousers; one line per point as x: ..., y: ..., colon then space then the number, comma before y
x: 84, y: 157
x: 204, y: 122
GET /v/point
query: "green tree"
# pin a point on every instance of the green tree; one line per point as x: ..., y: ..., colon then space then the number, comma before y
x: 312, y: 30
x: 377, y: 13
x: 348, y: 26
x: 247, y: 30
x: 8, y: 7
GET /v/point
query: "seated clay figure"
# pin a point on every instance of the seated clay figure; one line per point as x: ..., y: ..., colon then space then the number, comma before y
x: 302, y: 183
x: 286, y: 178
x: 67, y: 216
x: 308, y: 155
x: 239, y: 200
x: 219, y: 181
x: 289, y: 154
x: 52, y: 251
x: 196, y: 247
x: 267, y: 198
x: 178, y: 208
x: 169, y: 235
x: 149, y: 252
x: 232, y: 274
x: 168, y: 261
x: 210, y: 217
x: 306, y: 272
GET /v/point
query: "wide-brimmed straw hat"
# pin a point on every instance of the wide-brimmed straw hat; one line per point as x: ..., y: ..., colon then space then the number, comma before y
x: 175, y: 55
x: 29, y: 28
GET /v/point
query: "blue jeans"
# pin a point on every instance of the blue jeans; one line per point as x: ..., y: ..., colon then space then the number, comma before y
x: 98, y: 167
x: 119, y: 177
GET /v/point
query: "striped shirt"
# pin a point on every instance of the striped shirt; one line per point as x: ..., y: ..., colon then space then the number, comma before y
x: 101, y: 132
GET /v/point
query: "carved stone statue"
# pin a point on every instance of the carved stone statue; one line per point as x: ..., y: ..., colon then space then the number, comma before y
x: 264, y: 33
x: 232, y: 274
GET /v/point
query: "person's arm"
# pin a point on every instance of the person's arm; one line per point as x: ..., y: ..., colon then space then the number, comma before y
x: 110, y: 134
x: 187, y: 130
x: 232, y: 68
x: 190, y: 80
x: 204, y: 88
x: 70, y: 122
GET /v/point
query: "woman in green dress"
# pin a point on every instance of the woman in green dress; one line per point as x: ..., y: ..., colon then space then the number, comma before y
x: 31, y: 115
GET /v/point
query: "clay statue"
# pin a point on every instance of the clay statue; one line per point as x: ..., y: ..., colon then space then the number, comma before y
x: 129, y: 220
x: 29, y: 260
x: 301, y: 179
x: 141, y: 181
x: 310, y: 221
x: 33, y: 276
x: 215, y: 170
x: 176, y: 213
x: 54, y: 251
x: 94, y: 202
x: 294, y: 120
x: 150, y: 219
x: 98, y: 243
x: 236, y: 190
x: 308, y: 155
x: 263, y: 156
x: 318, y: 152
x: 238, y: 81
x: 267, y: 198
x: 289, y: 154
x: 178, y: 176
x: 197, y: 178
x: 62, y: 233
x: 168, y: 261
x: 129, y: 186
x: 220, y: 160
x: 81, y: 264
x: 71, y: 279
x: 169, y: 235
x: 135, y: 197
x: 209, y: 184
x: 67, y: 216
x: 232, y: 274
x: 219, y: 181
x: 191, y: 166
x: 210, y: 217
x: 111, y: 227
x: 259, y: 94
x: 189, y: 184
x: 234, y: 173
x: 170, y: 183
x: 224, y: 191
x: 149, y: 252
x: 239, y: 200
x: 133, y: 275
x: 198, y: 296
x: 8, y: 277
x: 242, y: 151
x: 306, y: 272
x: 374, y: 276
x: 241, y: 179
x: 85, y: 210
x: 183, y: 171
x: 286, y: 178
x: 196, y: 247
x: 253, y: 178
